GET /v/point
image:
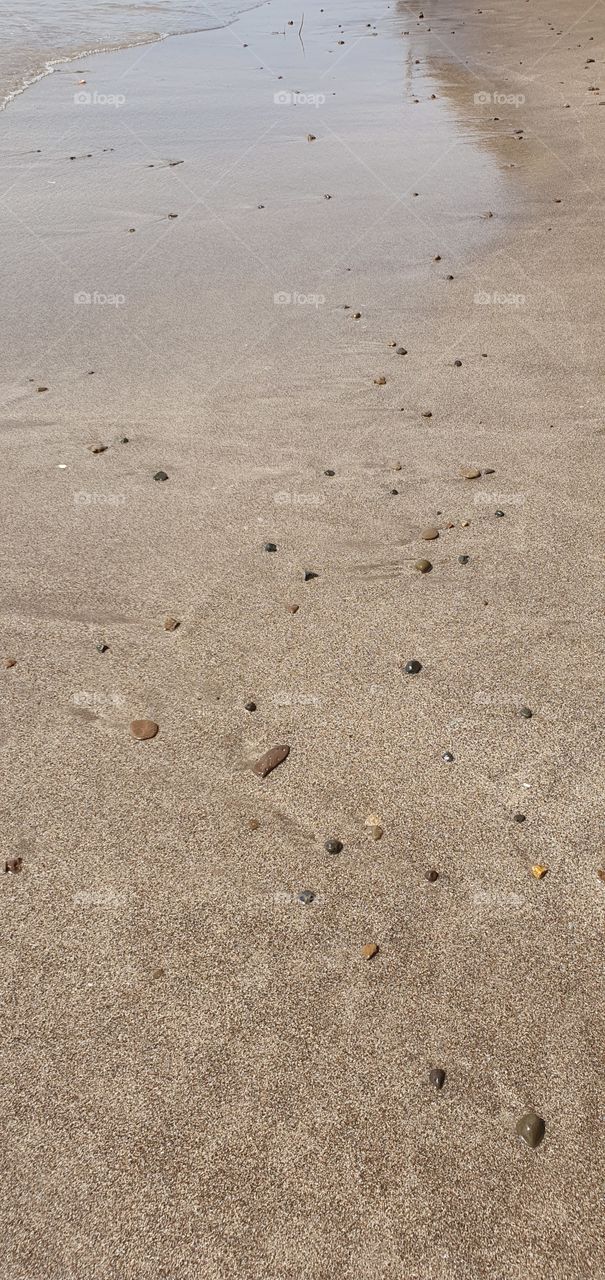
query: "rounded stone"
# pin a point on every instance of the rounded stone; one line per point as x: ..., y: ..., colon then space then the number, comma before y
x: 293, y: 608
x: 531, y: 1129
x: 429, y: 535
x: 160, y: 475
x: 400, y: 351
x: 423, y: 566
x: 463, y: 559
x: 101, y: 647
x: 123, y: 440
x: 376, y: 833
x: 333, y: 846
x: 394, y: 492
x: 253, y: 824
x: 458, y: 364
x: 499, y: 513
x: 525, y: 713
x: 170, y: 624
x: 437, y: 1077
x: 306, y: 896
x: 470, y: 473
x: 329, y: 473
x: 144, y: 729
x: 518, y: 817
x: 432, y: 875
x: 9, y: 662
x: 413, y: 667
x: 370, y: 950
x: 448, y: 757
x: 357, y: 315
x: 249, y: 706
x: 97, y: 448
x: 380, y: 380
x: 269, y: 546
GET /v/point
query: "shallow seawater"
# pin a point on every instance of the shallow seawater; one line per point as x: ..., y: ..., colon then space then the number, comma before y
x: 38, y: 33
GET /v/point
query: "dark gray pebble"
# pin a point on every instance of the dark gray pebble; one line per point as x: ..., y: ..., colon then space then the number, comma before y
x: 333, y: 846
x: 448, y: 757
x: 525, y: 712
x: 160, y: 475
x: 101, y: 647
x: 519, y: 817
x: 269, y: 546
x: 400, y: 351
x: 458, y: 364
x: 329, y: 473
x: 463, y: 559
x: 412, y: 667
x: 498, y: 513
x: 309, y: 575
x: 437, y: 1077
x: 250, y: 706
x: 531, y: 1128
x: 306, y: 896
x: 394, y: 492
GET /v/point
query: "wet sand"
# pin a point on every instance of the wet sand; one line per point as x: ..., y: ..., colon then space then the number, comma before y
x: 203, y: 1075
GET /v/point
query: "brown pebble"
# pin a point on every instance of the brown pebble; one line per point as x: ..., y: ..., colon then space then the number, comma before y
x: 376, y: 833
x: 432, y: 876
x: 311, y: 137
x: 253, y: 824
x: 9, y: 662
x: 13, y: 865
x: 470, y: 473
x: 380, y: 381
x: 293, y: 608
x: 270, y: 760
x: 430, y: 534
x: 531, y: 1128
x: 158, y: 973
x: 171, y: 624
x: 395, y: 466
x: 464, y: 524
x: 144, y: 729
x: 370, y: 950
x: 97, y: 448
x: 41, y: 388
x: 426, y: 413
x: 437, y: 1077
x: 423, y: 566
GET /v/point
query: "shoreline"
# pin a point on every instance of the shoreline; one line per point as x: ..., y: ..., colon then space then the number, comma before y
x: 339, y: 301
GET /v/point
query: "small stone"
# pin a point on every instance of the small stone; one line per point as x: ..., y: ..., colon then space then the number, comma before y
x: 123, y: 440
x: 394, y: 492
x: 311, y: 137
x: 309, y: 575
x: 412, y: 667
x: 101, y: 647
x: 333, y: 846
x: 269, y: 546
x: 437, y: 1077
x: 470, y: 473
x: 370, y: 950
x: 293, y: 608
x: 426, y: 413
x: 449, y: 524
x: 97, y: 448
x: 270, y: 760
x: 457, y: 364
x: 423, y: 566
x: 173, y: 215
x: 531, y: 1129
x: 357, y: 315
x: 449, y: 277
x: 160, y: 475
x: 395, y: 466
x: 307, y: 897
x: 158, y: 973
x: 171, y: 624
x: 463, y: 559
x: 464, y: 524
x: 437, y: 257
x: 13, y: 865
x: 400, y: 351
x: 525, y: 713
x: 249, y: 706
x: 518, y: 817
x: 329, y: 473
x: 499, y: 514
x: 376, y: 833
x: 9, y: 662
x: 447, y: 757
x: 429, y: 534
x: 380, y: 380
x: 601, y: 873
x: 539, y: 871
x: 144, y: 729
x: 490, y: 471
x: 253, y: 824
x: 432, y: 876
x: 41, y: 389
x: 392, y: 344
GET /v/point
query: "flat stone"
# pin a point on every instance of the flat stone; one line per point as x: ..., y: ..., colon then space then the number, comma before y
x: 470, y: 473
x: 395, y: 466
x: 423, y: 566
x: 380, y: 380
x: 9, y: 662
x: 499, y: 513
x: 525, y: 713
x: 400, y: 351
x: 249, y: 706
x: 309, y: 575
x: 531, y: 1129
x: 293, y: 608
x: 333, y: 846
x: 144, y: 729
x: 539, y: 871
x: 270, y: 760
x: 518, y: 817
x: 437, y: 1077
x: 97, y: 448
x: 426, y: 413
x: 430, y: 534
x: 370, y: 950
x: 307, y: 897
x: 329, y: 473
x: 171, y: 624
x: 160, y: 475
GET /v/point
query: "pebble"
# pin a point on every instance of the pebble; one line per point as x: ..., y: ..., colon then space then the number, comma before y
x: 13, y: 864
x: 269, y: 546
x: 464, y: 524
x: 158, y: 973
x: 376, y: 833
x: 394, y: 492
x: 429, y: 534
x: 380, y: 381
x: 329, y: 473
x: 173, y: 215
x: 412, y: 667
x: 463, y: 559
x: 448, y: 757
x: 253, y: 824
x: 370, y: 950
x: 449, y: 277
x: 525, y: 713
x: 400, y: 351
x: 41, y: 388
x: 437, y: 1077
x: 499, y: 513
x: 457, y: 364
x: 423, y: 566
x: 396, y: 466
x: 160, y: 475
x: 123, y: 440
x: 519, y: 817
x: 144, y: 729
x: 426, y: 413
x: 333, y: 846
x: 601, y: 873
x: 101, y: 647
x: 270, y: 760
x: 437, y: 257
x: 9, y: 662
x: 311, y: 137
x: 470, y: 473
x: 249, y: 706
x: 531, y: 1129
x: 309, y: 575
x: 293, y: 608
x: 171, y: 624
x: 307, y: 896
x: 357, y: 315
x: 539, y: 871
x: 432, y: 876
x: 97, y: 448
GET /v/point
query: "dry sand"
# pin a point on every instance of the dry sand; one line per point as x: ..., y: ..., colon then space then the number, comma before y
x: 202, y: 1076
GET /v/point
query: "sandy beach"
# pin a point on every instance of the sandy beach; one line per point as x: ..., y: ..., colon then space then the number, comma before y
x: 312, y: 277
